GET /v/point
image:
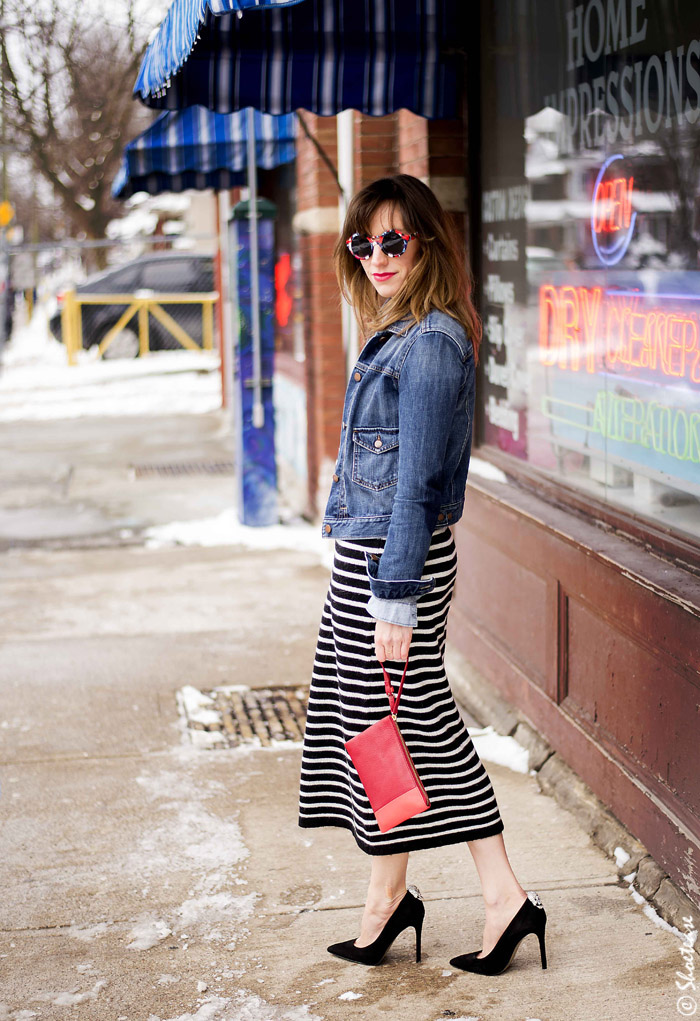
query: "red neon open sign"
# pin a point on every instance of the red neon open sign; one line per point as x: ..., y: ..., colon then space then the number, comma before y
x: 612, y: 218
x: 612, y: 205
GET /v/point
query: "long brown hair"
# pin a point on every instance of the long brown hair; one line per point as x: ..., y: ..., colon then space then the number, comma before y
x: 440, y: 278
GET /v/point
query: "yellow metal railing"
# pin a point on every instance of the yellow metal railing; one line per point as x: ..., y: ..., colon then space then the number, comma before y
x: 141, y: 307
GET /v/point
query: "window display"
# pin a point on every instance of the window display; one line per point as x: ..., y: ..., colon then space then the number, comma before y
x: 590, y: 261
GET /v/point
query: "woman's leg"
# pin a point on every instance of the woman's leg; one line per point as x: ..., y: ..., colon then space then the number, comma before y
x: 503, y: 894
x: 387, y: 887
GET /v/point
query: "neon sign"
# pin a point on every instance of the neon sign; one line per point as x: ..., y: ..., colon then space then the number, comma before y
x: 667, y: 430
x: 612, y: 219
x: 612, y: 205
x: 283, y: 300
x: 592, y: 329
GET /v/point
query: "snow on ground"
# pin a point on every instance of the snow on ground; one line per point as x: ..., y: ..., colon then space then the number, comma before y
x: 226, y: 530
x: 650, y: 912
x: 147, y: 934
x: 242, y: 1007
x: 196, y: 706
x: 477, y: 466
x: 87, y: 933
x: 499, y: 748
x: 72, y: 998
x: 621, y: 857
x: 37, y: 383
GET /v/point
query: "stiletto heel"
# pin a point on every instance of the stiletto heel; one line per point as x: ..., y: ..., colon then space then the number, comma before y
x: 419, y: 931
x: 530, y: 918
x: 408, y: 915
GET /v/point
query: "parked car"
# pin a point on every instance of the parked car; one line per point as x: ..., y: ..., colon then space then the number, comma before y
x: 156, y: 273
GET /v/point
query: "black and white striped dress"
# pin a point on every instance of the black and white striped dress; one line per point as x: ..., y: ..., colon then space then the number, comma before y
x: 347, y: 695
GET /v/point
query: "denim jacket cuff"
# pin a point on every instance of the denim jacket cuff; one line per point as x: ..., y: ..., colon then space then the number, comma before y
x: 394, y: 611
x: 398, y: 588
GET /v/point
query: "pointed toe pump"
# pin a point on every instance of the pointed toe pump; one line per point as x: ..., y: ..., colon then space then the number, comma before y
x: 530, y: 918
x: 408, y: 915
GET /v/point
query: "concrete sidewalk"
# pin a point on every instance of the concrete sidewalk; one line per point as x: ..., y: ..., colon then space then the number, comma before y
x: 147, y: 879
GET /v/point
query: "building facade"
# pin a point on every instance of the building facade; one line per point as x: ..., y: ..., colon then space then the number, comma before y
x: 585, y: 212
x: 575, y: 170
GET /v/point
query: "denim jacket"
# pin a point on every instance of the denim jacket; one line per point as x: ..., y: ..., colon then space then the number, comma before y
x: 404, y: 452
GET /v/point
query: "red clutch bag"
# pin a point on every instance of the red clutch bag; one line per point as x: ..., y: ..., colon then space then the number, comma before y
x: 386, y: 769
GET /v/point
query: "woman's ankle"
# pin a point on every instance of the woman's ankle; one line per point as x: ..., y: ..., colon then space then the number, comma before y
x: 500, y: 898
x: 387, y: 901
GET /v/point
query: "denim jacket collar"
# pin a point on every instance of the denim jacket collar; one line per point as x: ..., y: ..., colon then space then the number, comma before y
x: 434, y: 320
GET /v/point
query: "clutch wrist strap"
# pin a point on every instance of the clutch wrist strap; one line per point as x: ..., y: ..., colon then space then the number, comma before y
x: 393, y: 702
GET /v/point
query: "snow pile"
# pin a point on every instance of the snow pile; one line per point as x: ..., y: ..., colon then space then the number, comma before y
x: 72, y: 998
x: 195, y: 705
x: 621, y: 857
x: 499, y: 748
x: 486, y: 470
x: 226, y: 530
x: 36, y: 382
x: 147, y: 934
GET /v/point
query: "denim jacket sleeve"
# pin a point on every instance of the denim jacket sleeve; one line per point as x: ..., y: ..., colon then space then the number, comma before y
x: 430, y: 385
x: 394, y: 611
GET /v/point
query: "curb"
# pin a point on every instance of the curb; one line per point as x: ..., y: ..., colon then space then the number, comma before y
x: 649, y: 881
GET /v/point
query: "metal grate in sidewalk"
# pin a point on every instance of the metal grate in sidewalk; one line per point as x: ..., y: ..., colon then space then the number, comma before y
x: 184, y: 468
x: 230, y: 717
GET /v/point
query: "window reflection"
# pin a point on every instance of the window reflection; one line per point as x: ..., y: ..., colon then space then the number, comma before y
x: 591, y: 234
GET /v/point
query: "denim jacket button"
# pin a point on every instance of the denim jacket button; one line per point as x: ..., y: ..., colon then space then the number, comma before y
x: 328, y: 528
x: 441, y: 517
x: 378, y: 442
x: 357, y: 377
x: 336, y: 478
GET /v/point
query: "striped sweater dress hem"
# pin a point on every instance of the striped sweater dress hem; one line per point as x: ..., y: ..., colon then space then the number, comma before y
x: 347, y: 695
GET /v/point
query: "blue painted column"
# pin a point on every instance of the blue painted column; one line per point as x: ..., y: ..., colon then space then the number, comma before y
x: 255, y: 462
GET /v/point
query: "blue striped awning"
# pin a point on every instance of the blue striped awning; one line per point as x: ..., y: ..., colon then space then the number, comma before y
x: 195, y: 148
x: 178, y: 32
x: 375, y: 56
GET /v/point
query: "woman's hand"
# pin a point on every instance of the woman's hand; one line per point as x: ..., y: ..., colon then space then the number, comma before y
x: 391, y: 641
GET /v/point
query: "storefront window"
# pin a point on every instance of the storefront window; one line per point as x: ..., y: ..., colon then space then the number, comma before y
x: 590, y: 261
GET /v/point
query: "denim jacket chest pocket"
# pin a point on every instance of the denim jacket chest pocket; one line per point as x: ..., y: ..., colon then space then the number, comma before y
x: 375, y: 457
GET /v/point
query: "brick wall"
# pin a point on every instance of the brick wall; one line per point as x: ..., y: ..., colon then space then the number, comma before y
x: 375, y: 148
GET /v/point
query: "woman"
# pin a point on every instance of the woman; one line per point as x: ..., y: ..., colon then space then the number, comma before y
x: 398, y: 485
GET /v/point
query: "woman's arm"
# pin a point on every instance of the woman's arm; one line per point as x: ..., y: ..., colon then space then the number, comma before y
x: 430, y: 390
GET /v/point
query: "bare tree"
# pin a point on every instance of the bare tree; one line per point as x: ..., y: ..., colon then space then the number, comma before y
x: 67, y: 80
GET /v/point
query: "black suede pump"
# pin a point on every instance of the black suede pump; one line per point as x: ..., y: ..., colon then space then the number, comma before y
x: 531, y: 918
x: 408, y: 915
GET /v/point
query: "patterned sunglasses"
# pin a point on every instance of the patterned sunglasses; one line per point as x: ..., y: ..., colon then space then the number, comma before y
x: 392, y: 242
